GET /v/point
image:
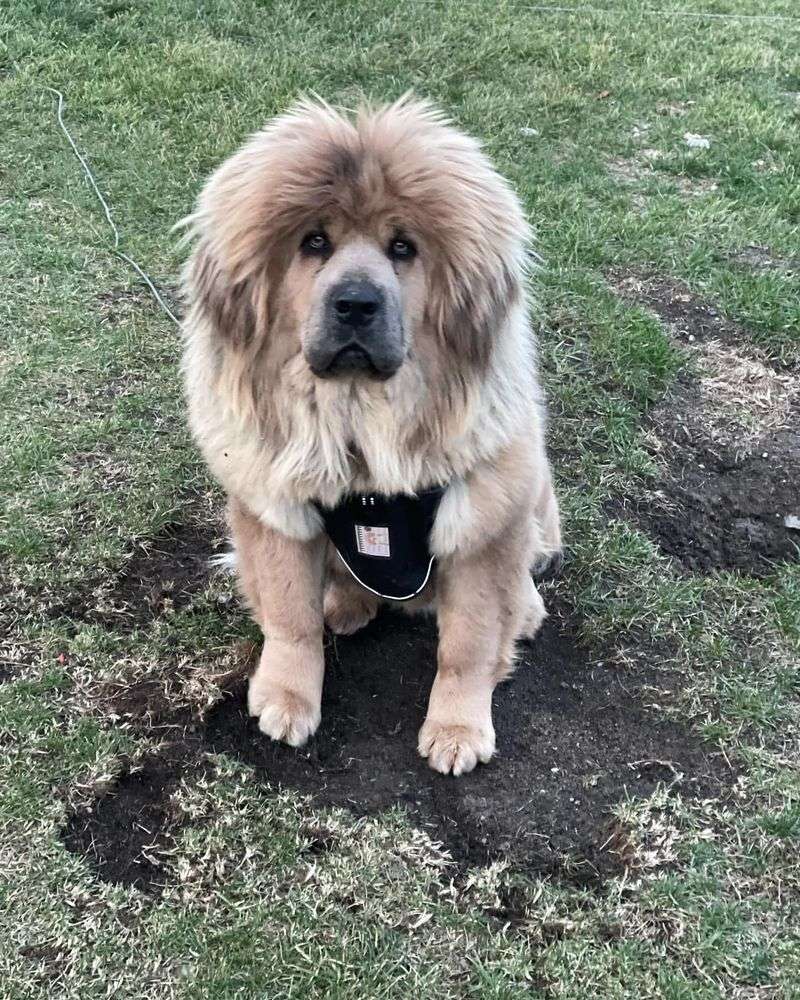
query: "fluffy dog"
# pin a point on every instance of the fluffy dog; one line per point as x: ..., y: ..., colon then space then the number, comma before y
x: 357, y: 326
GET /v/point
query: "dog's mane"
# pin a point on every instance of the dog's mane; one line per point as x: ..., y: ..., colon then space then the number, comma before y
x: 406, y: 162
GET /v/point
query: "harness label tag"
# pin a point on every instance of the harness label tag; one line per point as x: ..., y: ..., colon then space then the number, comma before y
x: 373, y: 541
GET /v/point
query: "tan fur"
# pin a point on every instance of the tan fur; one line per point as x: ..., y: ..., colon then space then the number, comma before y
x: 463, y: 408
x: 282, y: 582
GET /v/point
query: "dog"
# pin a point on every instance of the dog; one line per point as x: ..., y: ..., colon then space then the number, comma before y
x: 361, y: 374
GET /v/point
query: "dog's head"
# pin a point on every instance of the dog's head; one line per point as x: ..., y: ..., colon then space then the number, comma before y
x: 356, y: 243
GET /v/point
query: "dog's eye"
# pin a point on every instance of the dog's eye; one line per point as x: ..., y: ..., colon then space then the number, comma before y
x: 316, y: 244
x: 400, y: 249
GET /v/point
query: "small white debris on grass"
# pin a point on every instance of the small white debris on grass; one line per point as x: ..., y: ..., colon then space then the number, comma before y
x: 526, y: 130
x: 792, y: 521
x: 694, y: 141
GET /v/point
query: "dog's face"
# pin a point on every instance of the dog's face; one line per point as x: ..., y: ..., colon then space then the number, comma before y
x: 357, y: 247
x: 358, y: 297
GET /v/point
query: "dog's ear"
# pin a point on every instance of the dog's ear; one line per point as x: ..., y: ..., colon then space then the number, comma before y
x: 236, y: 309
x: 467, y: 309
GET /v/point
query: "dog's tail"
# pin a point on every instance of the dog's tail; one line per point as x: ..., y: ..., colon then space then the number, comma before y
x: 225, y: 562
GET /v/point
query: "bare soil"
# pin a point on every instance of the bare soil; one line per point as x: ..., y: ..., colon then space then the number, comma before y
x: 576, y: 735
x: 126, y: 831
x: 689, y: 318
x: 724, y: 509
x: 728, y: 439
x: 687, y: 315
x: 167, y: 571
x: 163, y: 573
x: 760, y: 258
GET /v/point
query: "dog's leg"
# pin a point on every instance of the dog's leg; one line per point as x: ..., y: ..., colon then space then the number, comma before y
x: 282, y: 580
x: 348, y: 607
x: 483, y: 601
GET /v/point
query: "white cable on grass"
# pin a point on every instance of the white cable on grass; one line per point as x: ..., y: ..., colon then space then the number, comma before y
x: 653, y: 11
x: 117, y: 238
x: 151, y: 286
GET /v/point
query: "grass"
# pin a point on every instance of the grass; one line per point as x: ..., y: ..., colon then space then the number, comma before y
x: 95, y: 461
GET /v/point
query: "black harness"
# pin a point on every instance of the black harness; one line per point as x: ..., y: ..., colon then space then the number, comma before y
x: 384, y: 540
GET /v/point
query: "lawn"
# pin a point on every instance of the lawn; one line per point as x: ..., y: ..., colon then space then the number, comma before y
x: 638, y: 835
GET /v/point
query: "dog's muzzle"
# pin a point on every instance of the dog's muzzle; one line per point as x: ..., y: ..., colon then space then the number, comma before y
x: 357, y: 335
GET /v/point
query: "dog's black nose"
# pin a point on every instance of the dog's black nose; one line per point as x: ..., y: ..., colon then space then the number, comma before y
x: 357, y: 303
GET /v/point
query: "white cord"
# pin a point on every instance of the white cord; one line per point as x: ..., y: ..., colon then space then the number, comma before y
x: 586, y: 9
x: 117, y: 238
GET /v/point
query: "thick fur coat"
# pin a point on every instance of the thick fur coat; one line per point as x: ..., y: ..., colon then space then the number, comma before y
x: 399, y: 200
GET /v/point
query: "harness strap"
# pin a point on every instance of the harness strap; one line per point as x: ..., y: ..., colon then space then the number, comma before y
x: 384, y: 541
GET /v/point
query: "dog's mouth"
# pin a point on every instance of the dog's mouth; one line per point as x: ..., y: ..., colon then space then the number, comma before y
x: 354, y: 359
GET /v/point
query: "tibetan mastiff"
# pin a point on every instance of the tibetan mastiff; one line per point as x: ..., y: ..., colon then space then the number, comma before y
x: 361, y: 379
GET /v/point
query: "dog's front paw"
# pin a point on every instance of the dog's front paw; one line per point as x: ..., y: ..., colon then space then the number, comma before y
x: 455, y: 749
x: 282, y: 714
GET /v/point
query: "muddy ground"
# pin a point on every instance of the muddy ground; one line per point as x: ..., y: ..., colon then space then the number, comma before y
x: 726, y: 510
x: 577, y: 733
x: 574, y: 736
x: 727, y: 437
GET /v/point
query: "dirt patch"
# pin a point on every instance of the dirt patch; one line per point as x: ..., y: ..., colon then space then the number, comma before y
x: 172, y: 697
x: 721, y: 509
x: 688, y: 317
x: 728, y: 440
x: 163, y: 573
x: 632, y: 170
x: 576, y: 735
x: 574, y: 738
x: 734, y: 400
x: 126, y: 832
x: 692, y: 321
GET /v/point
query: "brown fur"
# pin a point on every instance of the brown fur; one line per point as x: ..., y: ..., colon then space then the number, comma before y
x: 462, y: 409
